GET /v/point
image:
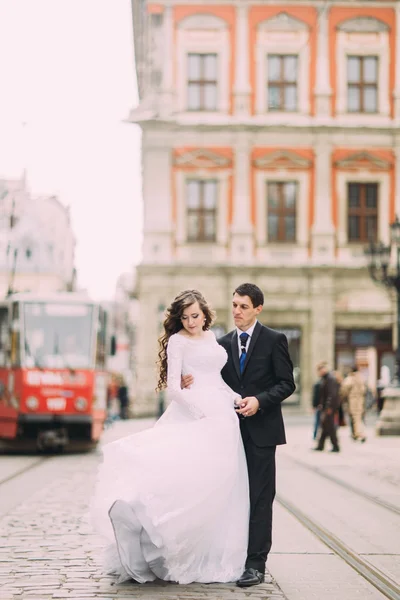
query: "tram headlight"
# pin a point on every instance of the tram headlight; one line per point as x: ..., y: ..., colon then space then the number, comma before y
x: 81, y: 403
x: 32, y: 403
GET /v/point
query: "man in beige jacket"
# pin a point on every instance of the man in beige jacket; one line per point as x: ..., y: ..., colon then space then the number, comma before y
x: 353, y: 389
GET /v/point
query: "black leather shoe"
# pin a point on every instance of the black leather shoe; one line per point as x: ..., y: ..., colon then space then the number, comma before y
x: 250, y: 577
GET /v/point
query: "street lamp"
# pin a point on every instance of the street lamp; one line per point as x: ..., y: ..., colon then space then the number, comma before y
x: 384, y: 268
x: 384, y: 272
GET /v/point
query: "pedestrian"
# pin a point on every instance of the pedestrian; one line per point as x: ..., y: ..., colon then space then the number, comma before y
x: 341, y: 421
x: 258, y: 368
x: 123, y: 398
x: 382, y: 383
x: 329, y: 403
x: 317, y: 407
x: 112, y: 390
x: 354, y: 389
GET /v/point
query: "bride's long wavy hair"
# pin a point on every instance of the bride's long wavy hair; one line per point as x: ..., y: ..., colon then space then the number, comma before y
x: 173, y: 323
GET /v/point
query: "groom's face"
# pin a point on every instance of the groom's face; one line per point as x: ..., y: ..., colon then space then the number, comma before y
x: 244, y: 313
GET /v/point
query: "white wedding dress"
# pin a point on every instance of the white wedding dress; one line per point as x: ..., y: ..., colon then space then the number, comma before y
x: 174, y: 499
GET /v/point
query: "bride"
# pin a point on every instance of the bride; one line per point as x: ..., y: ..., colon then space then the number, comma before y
x: 174, y: 499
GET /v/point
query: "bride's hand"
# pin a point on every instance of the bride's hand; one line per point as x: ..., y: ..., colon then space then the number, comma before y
x: 248, y: 406
x: 237, y: 400
x: 186, y: 381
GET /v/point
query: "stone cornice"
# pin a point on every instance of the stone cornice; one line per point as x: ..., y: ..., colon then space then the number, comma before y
x: 282, y: 22
x: 202, y: 158
x: 362, y: 25
x: 358, y: 160
x: 282, y: 158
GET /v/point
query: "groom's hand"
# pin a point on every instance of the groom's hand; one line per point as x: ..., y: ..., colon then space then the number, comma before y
x: 186, y: 381
x: 248, y: 406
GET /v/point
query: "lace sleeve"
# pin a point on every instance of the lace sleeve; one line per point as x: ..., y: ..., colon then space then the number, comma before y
x: 174, y: 391
x: 235, y: 396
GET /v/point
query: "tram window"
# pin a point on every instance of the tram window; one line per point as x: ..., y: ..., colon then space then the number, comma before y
x: 4, y: 336
x: 15, y: 347
x: 15, y: 312
x: 101, y: 340
x: 15, y: 337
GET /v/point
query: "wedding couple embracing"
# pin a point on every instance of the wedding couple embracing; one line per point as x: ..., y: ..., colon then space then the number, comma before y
x: 190, y: 500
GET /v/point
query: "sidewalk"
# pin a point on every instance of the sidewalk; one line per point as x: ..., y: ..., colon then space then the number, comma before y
x: 372, y: 467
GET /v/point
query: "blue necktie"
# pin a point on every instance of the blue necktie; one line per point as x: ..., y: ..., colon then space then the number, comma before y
x: 243, y: 340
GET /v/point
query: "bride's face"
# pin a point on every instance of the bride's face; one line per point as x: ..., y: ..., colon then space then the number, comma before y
x: 193, y: 319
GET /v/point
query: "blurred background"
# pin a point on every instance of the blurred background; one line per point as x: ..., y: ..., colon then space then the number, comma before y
x: 151, y: 147
x: 147, y: 147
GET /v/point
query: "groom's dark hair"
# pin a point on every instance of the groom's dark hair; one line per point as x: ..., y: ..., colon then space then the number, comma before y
x: 253, y: 292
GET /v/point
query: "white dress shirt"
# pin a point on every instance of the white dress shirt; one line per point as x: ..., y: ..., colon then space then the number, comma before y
x: 249, y: 333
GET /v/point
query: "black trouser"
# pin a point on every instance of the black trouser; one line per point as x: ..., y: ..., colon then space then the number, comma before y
x: 261, y: 469
x: 123, y: 408
x: 328, y: 430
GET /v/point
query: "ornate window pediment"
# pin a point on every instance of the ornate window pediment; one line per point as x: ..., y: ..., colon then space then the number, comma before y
x: 202, y: 21
x: 363, y: 25
x: 282, y: 159
x: 362, y: 160
x: 202, y: 158
x: 282, y: 22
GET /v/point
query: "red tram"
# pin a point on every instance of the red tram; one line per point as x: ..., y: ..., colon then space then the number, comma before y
x: 53, y: 382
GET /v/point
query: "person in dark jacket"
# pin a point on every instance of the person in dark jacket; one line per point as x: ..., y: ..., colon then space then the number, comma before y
x: 259, y: 368
x: 329, y: 403
x: 316, y: 407
x: 123, y: 398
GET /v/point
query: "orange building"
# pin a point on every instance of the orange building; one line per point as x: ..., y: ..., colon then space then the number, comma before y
x: 271, y: 153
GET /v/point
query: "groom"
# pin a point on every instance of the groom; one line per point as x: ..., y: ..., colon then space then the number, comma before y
x: 260, y: 370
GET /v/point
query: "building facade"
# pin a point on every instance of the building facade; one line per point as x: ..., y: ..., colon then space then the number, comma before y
x: 271, y: 154
x: 123, y: 320
x: 37, y: 244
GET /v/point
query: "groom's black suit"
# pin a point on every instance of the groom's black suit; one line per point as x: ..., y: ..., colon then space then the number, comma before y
x: 267, y: 375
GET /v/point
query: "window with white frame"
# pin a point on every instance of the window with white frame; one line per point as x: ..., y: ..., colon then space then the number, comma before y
x: 202, y: 84
x: 203, y: 53
x: 282, y: 73
x: 201, y: 210
x: 362, y: 212
x: 282, y: 64
x: 281, y: 211
x: 362, y: 84
x: 362, y: 69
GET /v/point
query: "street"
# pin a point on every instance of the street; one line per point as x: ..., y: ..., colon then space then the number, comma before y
x: 351, y: 499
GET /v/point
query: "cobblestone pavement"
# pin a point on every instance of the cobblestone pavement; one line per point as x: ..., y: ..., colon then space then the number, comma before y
x: 305, y: 568
x: 48, y: 550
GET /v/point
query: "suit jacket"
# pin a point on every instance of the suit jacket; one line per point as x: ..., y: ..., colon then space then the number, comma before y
x: 267, y: 375
x: 316, y: 394
x: 329, y: 392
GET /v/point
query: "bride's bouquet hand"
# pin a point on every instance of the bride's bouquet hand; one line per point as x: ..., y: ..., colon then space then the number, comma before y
x: 186, y: 381
x: 237, y: 402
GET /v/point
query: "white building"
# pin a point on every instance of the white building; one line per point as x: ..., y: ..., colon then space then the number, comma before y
x: 123, y: 320
x: 271, y: 154
x: 37, y: 243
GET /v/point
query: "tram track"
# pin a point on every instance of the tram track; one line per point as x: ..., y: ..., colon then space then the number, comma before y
x: 24, y: 470
x: 347, y: 486
x: 382, y: 582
